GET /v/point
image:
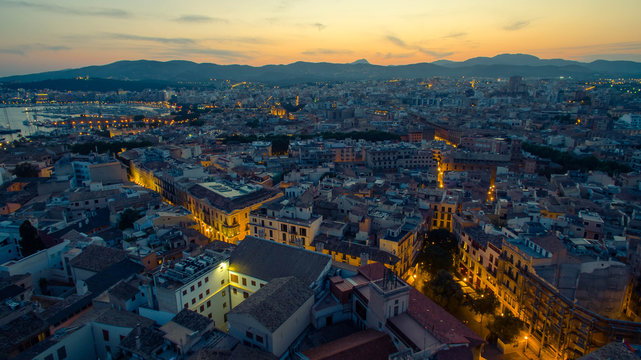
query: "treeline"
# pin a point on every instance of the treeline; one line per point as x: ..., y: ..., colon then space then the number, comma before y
x: 569, y: 161
x: 280, y: 143
x: 111, y: 147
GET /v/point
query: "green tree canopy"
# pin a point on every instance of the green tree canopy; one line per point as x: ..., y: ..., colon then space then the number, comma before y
x: 438, y: 251
x: 506, y: 328
x: 445, y: 291
x: 30, y: 242
x: 26, y: 170
x: 486, y: 303
x: 433, y: 258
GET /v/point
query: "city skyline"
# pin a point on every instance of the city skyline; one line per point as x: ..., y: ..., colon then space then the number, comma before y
x: 67, y: 34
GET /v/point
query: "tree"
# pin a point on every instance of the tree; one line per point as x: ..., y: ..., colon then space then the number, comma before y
x: 506, y: 328
x: 444, y: 239
x: 485, y: 304
x: 437, y: 253
x: 26, y: 170
x: 433, y: 258
x: 30, y: 242
x: 127, y: 219
x: 445, y: 291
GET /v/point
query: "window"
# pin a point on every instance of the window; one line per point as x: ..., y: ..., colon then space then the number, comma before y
x: 225, y: 317
x: 209, y: 316
x: 253, y: 283
x: 234, y: 291
x: 222, y: 282
x: 185, y: 292
x: 223, y: 293
x: 49, y: 357
x: 207, y: 279
x: 207, y: 292
x: 192, y: 288
x: 208, y: 303
x: 193, y: 301
x: 249, y: 335
x: 245, y: 294
x: 202, y: 308
x: 245, y: 281
x: 261, y: 285
x: 283, y: 227
x: 62, y: 353
x: 259, y: 339
x: 224, y: 305
x: 186, y: 305
x: 200, y: 296
x: 200, y: 283
x: 234, y: 278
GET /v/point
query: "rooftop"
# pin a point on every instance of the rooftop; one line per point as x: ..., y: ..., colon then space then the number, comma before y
x: 304, y: 264
x: 229, y: 199
x: 444, y: 326
x: 368, y: 344
x: 95, y: 258
x: 230, y: 190
x: 276, y: 302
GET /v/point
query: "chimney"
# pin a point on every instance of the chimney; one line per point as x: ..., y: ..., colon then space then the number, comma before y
x: 138, y: 330
x: 364, y: 258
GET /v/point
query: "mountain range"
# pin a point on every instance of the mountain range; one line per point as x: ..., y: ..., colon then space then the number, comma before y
x: 180, y: 71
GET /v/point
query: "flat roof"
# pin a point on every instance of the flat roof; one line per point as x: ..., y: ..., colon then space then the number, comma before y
x: 415, y: 332
x: 230, y: 190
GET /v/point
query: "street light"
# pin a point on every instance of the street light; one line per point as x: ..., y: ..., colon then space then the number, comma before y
x: 525, y: 344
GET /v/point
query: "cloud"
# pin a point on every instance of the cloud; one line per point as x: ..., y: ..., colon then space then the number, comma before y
x: 433, y: 53
x: 58, y: 9
x: 436, y: 54
x: 245, y: 40
x: 455, y: 35
x: 518, y: 25
x: 162, y: 40
x: 12, y: 51
x: 616, y: 46
x: 326, y: 52
x: 319, y: 26
x: 396, y: 41
x: 24, y: 49
x: 51, y: 47
x: 199, y: 19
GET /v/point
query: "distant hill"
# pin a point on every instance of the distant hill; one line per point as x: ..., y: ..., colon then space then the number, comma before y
x: 178, y: 71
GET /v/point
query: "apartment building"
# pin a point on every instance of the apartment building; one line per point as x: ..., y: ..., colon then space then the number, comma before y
x: 286, y: 221
x: 479, y: 258
x: 223, y: 276
x: 443, y: 212
x: 222, y: 207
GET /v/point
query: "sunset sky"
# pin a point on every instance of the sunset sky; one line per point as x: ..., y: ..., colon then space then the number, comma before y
x: 42, y: 35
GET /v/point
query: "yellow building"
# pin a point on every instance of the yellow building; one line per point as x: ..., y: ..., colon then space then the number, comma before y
x: 354, y: 254
x: 444, y: 212
x: 479, y: 258
x: 402, y: 243
x: 222, y: 208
